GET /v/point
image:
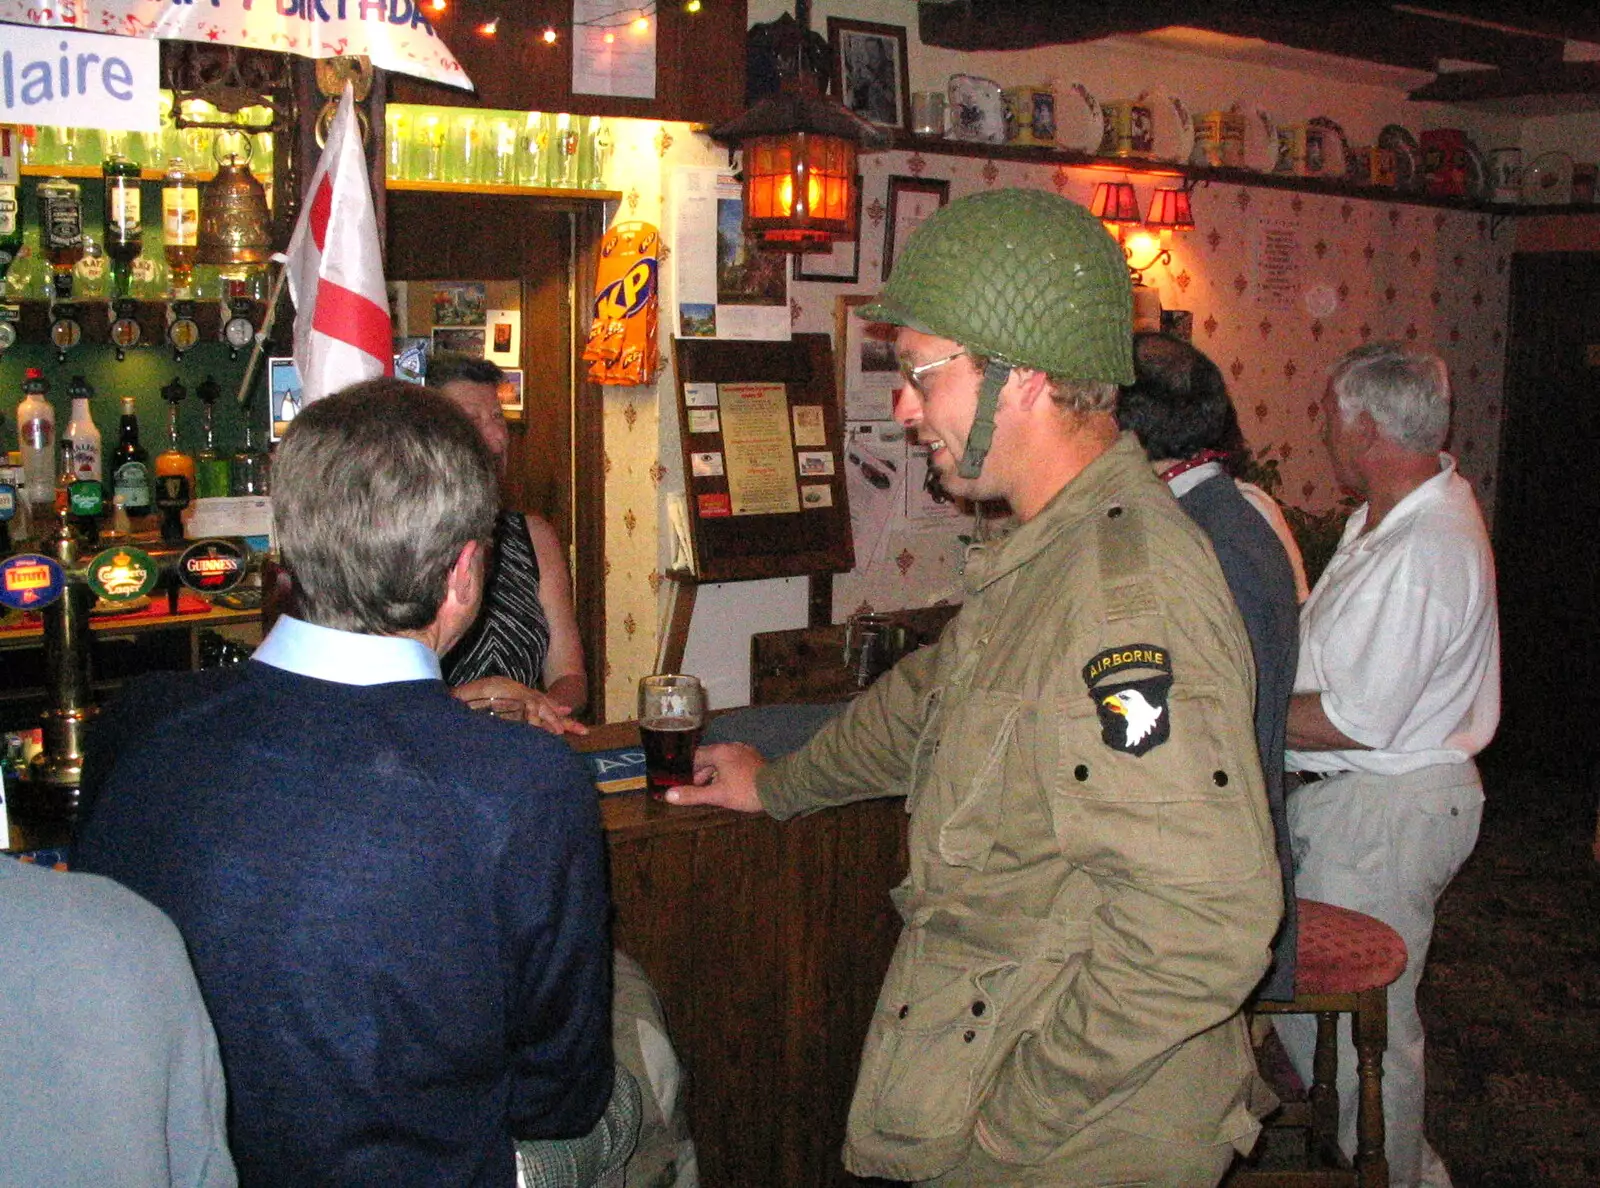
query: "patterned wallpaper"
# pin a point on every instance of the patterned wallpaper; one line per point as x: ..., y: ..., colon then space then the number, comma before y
x: 1366, y: 270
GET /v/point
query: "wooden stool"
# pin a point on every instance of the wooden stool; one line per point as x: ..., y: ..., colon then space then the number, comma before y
x: 1345, y: 962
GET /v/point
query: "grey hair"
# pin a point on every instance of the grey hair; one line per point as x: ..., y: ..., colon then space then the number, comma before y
x: 375, y: 491
x: 1405, y: 391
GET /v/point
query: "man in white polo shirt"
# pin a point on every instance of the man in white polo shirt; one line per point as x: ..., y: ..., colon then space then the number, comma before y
x: 1398, y: 687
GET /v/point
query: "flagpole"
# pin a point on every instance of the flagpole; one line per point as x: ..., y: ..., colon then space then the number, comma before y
x: 261, y: 336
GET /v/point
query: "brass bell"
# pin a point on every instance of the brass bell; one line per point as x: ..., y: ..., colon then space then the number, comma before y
x: 235, y: 225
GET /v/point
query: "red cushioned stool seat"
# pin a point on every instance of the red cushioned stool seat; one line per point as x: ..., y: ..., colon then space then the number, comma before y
x: 1344, y: 963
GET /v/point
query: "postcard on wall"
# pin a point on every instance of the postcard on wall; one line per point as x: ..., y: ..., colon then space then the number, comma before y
x: 704, y: 420
x: 815, y: 463
x: 700, y: 395
x: 462, y: 340
x: 510, y: 393
x: 706, y: 464
x: 874, y: 475
x: 458, y: 304
x: 724, y: 285
x: 809, y: 429
x: 503, y: 341
x: 814, y: 495
x: 869, y: 372
x: 760, y: 449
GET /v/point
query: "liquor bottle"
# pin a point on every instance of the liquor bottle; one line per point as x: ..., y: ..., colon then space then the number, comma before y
x: 212, y: 477
x: 124, y: 229
x: 248, y: 475
x: 130, y: 481
x: 180, y: 225
x: 10, y: 228
x: 61, y: 230
x: 36, y: 430
x: 174, y: 469
x: 85, y: 435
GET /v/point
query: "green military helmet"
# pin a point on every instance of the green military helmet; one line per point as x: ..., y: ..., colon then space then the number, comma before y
x: 1023, y: 276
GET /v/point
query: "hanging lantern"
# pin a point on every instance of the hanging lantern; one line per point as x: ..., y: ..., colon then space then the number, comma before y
x: 799, y: 152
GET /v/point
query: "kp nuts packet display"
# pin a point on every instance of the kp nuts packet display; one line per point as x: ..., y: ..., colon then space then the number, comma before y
x: 622, y: 339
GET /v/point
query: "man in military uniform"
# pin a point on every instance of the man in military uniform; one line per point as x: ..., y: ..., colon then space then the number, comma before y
x: 1092, y: 890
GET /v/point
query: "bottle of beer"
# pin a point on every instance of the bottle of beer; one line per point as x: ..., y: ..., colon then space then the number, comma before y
x: 61, y: 230
x: 180, y: 225
x: 124, y: 230
x: 175, y: 470
x: 131, y: 465
x: 213, y: 476
x: 10, y: 228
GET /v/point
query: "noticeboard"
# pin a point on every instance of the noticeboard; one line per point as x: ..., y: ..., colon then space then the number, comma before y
x: 762, y: 458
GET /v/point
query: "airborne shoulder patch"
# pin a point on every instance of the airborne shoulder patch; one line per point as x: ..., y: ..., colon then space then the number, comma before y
x: 1129, y: 686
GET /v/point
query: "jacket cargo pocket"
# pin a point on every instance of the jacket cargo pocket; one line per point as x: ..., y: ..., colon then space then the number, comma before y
x: 923, y: 1071
x: 964, y: 793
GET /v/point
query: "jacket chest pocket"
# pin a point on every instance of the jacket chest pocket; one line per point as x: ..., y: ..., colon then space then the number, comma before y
x: 959, y: 772
x: 931, y: 1052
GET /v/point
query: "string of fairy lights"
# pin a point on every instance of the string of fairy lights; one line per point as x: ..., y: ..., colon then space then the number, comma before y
x: 629, y: 18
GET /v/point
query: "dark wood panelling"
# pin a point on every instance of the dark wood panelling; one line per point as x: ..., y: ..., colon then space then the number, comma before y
x: 699, y: 61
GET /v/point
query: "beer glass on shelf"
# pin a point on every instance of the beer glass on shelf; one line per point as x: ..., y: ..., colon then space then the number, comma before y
x: 466, y: 152
x: 501, y: 152
x: 531, y: 170
x: 427, y: 146
x: 396, y: 141
x: 562, y: 152
x: 672, y: 713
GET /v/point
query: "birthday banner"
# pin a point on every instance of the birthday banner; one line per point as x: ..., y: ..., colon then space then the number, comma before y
x: 395, y: 34
x: 73, y: 79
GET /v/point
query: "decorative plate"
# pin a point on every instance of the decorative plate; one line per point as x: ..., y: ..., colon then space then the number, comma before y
x: 1547, y: 181
x: 1172, y: 140
x: 1407, y: 156
x: 1337, y: 159
x: 1079, y: 124
x: 977, y: 110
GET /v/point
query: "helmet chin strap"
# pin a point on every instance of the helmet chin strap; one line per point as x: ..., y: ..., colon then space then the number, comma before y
x: 981, y: 434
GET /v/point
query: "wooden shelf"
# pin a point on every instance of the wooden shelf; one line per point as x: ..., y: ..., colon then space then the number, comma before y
x: 93, y: 172
x: 1203, y: 174
x: 442, y: 187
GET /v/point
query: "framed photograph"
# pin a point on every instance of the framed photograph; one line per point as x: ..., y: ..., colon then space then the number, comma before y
x: 841, y: 264
x: 869, y: 372
x: 911, y: 200
x: 869, y: 71
x: 283, y: 387
x: 510, y: 393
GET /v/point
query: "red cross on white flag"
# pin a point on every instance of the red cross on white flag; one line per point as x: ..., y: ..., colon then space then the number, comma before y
x: 335, y: 267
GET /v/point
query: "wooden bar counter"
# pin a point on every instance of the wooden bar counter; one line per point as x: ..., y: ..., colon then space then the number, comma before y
x: 767, y: 942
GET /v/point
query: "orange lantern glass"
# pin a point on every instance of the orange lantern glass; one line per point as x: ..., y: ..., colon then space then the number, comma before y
x: 798, y: 189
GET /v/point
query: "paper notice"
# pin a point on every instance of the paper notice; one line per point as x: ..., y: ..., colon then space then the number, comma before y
x: 760, y: 450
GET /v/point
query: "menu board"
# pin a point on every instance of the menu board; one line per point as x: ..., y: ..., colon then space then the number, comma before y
x: 762, y: 441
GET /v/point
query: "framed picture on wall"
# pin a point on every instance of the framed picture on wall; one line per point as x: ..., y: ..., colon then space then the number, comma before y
x: 911, y: 200
x: 840, y: 264
x: 868, y: 371
x: 869, y: 71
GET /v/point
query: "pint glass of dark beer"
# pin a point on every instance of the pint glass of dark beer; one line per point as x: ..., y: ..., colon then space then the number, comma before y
x: 672, y: 713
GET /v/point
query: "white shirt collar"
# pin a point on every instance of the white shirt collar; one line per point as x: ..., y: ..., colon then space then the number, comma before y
x: 345, y: 657
x: 1180, y: 485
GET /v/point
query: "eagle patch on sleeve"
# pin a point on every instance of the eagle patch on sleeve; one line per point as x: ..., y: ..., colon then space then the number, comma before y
x: 1129, y: 687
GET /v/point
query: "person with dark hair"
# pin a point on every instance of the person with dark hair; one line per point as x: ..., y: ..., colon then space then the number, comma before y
x: 397, y: 908
x: 1179, y: 409
x: 525, y: 643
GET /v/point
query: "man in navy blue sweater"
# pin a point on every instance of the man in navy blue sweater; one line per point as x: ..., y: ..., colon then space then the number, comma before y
x: 396, y: 908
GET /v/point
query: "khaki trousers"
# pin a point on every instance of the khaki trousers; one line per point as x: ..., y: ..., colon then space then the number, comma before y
x: 1098, y: 1157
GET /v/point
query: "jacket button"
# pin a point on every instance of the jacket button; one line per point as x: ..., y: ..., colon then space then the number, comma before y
x: 978, y: 1008
x: 904, y: 1010
x: 1455, y: 812
x: 1113, y: 513
x: 969, y: 1037
x: 1080, y: 772
x: 1219, y: 778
